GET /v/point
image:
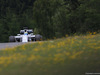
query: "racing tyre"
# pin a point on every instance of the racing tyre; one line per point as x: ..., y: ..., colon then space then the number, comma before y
x: 38, y: 37
x: 11, y: 39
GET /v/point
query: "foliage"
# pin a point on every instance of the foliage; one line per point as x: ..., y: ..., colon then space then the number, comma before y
x: 60, y: 17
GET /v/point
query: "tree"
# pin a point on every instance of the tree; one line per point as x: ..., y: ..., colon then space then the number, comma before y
x: 43, y: 16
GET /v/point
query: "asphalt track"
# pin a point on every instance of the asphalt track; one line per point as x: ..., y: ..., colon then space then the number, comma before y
x: 9, y: 45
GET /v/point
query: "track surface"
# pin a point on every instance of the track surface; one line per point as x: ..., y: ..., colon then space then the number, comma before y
x: 9, y: 45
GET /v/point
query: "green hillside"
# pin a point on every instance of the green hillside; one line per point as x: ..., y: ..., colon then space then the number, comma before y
x: 76, y: 55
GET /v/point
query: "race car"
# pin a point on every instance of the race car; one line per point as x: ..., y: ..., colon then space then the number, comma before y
x: 26, y: 35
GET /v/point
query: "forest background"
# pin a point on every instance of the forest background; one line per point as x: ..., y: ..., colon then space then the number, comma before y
x: 50, y: 18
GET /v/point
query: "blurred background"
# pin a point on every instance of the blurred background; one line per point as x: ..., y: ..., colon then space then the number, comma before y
x: 50, y: 18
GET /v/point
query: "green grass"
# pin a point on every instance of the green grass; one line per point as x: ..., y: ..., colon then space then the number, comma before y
x: 75, y: 55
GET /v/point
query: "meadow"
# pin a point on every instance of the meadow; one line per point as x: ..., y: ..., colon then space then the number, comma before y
x: 75, y: 55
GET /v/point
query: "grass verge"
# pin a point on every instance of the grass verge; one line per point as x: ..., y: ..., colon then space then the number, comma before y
x: 76, y: 55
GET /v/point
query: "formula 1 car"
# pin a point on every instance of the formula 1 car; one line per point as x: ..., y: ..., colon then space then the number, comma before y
x: 26, y: 35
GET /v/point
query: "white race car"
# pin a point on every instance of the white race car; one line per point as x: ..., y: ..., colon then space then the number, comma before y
x: 26, y: 35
